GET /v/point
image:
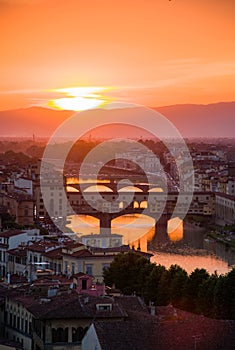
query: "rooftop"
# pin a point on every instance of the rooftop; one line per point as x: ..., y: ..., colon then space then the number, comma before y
x: 72, y: 306
x: 43, y: 246
x: 21, y: 251
x: 10, y: 233
x: 54, y: 254
x: 171, y: 329
x: 19, y: 196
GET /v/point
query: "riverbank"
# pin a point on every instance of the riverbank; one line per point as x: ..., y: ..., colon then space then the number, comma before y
x: 193, y: 251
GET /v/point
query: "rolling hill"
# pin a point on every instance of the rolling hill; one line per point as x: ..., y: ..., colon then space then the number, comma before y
x: 213, y: 120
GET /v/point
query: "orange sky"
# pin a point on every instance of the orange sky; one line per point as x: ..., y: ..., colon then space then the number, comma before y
x: 155, y: 52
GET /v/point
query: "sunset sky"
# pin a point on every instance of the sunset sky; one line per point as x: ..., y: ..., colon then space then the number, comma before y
x: 153, y: 52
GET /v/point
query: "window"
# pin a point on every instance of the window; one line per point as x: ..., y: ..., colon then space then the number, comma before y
x: 104, y: 307
x: 26, y: 326
x: 84, y: 284
x: 77, y: 334
x: 60, y: 335
x: 14, y: 321
x: 18, y: 260
x: 59, y: 268
x: 10, y: 257
x: 89, y: 269
x: 18, y: 322
x: 105, y: 266
x: 79, y: 266
x: 66, y: 267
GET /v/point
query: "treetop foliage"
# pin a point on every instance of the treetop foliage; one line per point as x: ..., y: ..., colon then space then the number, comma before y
x: 198, y: 292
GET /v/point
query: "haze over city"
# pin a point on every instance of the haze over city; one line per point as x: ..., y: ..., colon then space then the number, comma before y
x: 81, y: 54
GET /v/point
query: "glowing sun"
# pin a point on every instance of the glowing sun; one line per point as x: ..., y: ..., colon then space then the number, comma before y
x: 79, y: 98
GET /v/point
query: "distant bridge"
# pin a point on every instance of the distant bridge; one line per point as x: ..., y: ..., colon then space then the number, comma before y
x: 115, y: 186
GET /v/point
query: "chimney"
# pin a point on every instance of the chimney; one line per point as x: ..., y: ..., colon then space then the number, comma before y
x: 8, y: 278
x: 153, y: 310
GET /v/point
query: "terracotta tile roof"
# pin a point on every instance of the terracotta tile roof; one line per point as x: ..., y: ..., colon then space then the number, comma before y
x: 20, y: 197
x: 52, y: 280
x: 143, y: 331
x: 79, y: 253
x: 10, y: 344
x: 73, y: 244
x: 81, y: 274
x: 3, y: 245
x: 120, y: 249
x: 82, y: 253
x: 54, y: 254
x: 132, y: 303
x: 17, y: 279
x: 10, y: 233
x: 21, y: 251
x: 136, y: 334
x: 3, y: 293
x: 72, y: 306
x: 225, y: 195
x: 124, y: 248
x: 42, y: 246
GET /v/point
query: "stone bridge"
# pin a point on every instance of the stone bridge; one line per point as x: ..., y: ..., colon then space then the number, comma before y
x: 111, y: 205
x: 115, y: 186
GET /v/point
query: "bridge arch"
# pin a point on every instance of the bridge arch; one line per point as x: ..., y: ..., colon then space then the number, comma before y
x: 136, y: 205
x: 123, y: 205
x: 98, y: 188
x: 84, y: 223
x: 130, y: 189
x: 155, y: 189
x: 70, y: 188
x: 143, y: 204
x: 178, y: 233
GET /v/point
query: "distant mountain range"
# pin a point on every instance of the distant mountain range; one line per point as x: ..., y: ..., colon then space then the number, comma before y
x: 212, y: 120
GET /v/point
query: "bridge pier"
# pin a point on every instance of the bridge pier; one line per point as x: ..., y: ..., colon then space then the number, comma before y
x: 161, y: 229
x: 105, y: 223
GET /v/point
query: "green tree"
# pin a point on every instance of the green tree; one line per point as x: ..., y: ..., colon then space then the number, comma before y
x: 177, y: 286
x: 153, y: 284
x: 163, y: 294
x: 196, y: 279
x: 206, y: 304
x: 225, y: 296
x: 128, y: 273
x: 8, y: 222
